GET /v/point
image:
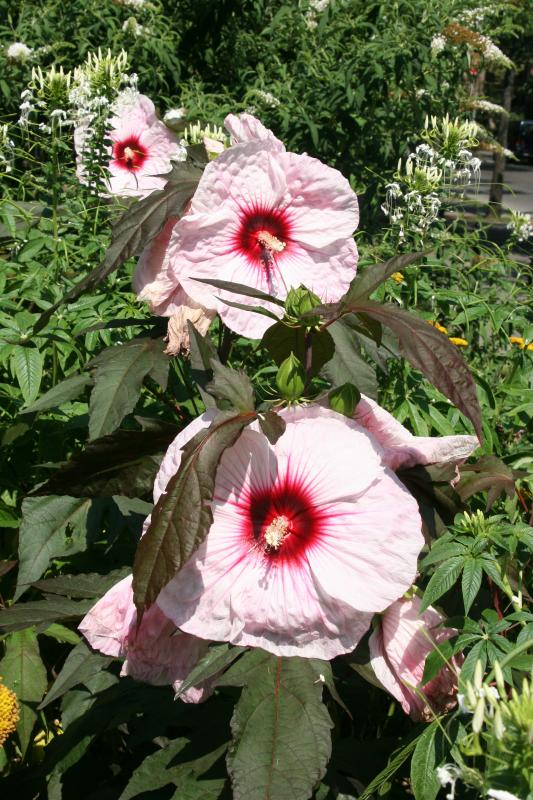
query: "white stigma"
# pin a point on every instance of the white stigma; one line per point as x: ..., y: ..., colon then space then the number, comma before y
x: 270, y: 242
x: 276, y: 532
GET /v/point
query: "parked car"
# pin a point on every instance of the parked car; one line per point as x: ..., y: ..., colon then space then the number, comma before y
x: 520, y: 139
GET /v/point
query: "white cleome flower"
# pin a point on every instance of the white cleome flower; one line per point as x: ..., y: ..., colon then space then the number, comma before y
x: 501, y: 794
x: 18, y: 51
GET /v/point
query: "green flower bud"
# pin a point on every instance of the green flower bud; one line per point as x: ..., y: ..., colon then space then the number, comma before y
x: 290, y: 379
x: 299, y: 302
x: 344, y: 399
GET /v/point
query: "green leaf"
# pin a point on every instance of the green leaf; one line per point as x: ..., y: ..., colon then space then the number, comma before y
x: 395, y: 762
x: 281, y: 729
x: 437, y: 660
x: 281, y: 340
x: 81, y: 664
x: 442, y: 580
x: 489, y: 474
x: 61, y: 634
x: 136, y: 228
x: 39, y: 612
x: 118, y: 378
x: 43, y: 534
x: 183, y: 516
x: 62, y: 392
x: 217, y: 658
x: 272, y: 425
x: 433, y: 354
x: 163, y: 767
x: 426, y: 759
x: 347, y: 364
x: 240, y: 288
x: 374, y: 275
x: 123, y: 463
x: 27, y: 366
x: 88, y: 585
x: 438, y: 502
x: 440, y: 551
x: 471, y: 581
x: 231, y: 387
x: 24, y: 673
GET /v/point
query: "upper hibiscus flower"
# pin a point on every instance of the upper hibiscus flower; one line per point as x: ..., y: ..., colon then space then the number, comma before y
x: 310, y: 537
x: 268, y: 219
x: 399, y: 647
x: 142, y: 148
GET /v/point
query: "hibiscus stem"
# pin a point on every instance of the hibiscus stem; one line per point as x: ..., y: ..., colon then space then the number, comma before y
x: 308, y: 358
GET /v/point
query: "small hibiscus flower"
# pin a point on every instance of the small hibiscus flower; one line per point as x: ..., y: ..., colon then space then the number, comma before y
x: 142, y: 149
x: 399, y: 647
x: 155, y: 652
x: 309, y: 538
x: 268, y: 219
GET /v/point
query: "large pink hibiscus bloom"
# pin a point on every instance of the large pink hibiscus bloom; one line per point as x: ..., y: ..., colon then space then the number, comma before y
x: 399, y: 647
x: 268, y: 219
x: 310, y: 537
x: 142, y: 149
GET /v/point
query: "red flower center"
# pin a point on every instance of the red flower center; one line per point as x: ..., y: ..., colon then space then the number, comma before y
x: 263, y: 236
x: 129, y: 154
x: 282, y: 520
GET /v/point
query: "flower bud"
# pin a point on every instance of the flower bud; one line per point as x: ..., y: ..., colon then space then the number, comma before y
x: 344, y: 399
x: 290, y: 379
x: 299, y: 302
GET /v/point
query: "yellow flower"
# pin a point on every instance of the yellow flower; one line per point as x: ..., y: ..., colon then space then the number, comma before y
x: 458, y: 342
x: 397, y: 276
x: 530, y: 346
x: 518, y: 340
x: 439, y: 327
x: 9, y: 713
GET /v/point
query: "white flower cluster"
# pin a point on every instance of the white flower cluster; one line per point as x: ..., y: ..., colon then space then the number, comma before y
x: 7, y: 149
x: 267, y: 98
x: 438, y: 43
x: 485, y: 105
x: 316, y: 7
x: 20, y: 52
x: 437, y: 166
x: 474, y: 17
x: 493, y: 55
x: 136, y: 4
x: 521, y: 226
x: 133, y: 28
x: 175, y: 116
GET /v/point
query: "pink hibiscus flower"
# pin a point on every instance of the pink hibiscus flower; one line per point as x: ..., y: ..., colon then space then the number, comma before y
x: 268, y: 219
x: 155, y: 652
x: 310, y: 537
x: 398, y: 650
x: 142, y: 149
x: 401, y: 448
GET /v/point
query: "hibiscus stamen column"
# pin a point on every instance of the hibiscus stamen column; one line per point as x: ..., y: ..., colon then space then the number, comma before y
x: 276, y: 532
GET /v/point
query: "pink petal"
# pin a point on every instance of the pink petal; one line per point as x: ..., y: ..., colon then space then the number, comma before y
x: 172, y: 459
x: 154, y: 652
x: 402, y: 449
x: 246, y: 128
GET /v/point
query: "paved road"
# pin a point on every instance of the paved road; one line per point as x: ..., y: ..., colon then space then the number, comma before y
x: 518, y: 185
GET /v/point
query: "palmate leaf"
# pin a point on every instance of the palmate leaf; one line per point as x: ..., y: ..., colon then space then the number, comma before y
x: 281, y: 729
x: 183, y: 516
x: 118, y: 376
x: 24, y: 673
x: 232, y: 388
x: 427, y: 756
x: 135, y: 229
x: 471, y: 581
x: 62, y: 392
x: 272, y: 425
x: 27, y: 365
x: 442, y: 580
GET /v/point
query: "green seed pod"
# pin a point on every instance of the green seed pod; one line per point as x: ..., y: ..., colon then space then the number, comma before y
x: 344, y: 399
x: 290, y: 379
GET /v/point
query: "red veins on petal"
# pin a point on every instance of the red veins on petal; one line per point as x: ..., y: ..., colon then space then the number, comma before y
x: 251, y: 241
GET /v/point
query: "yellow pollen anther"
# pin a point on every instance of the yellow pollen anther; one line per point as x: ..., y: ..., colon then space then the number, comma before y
x: 277, y: 531
x: 270, y: 242
x: 129, y: 154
